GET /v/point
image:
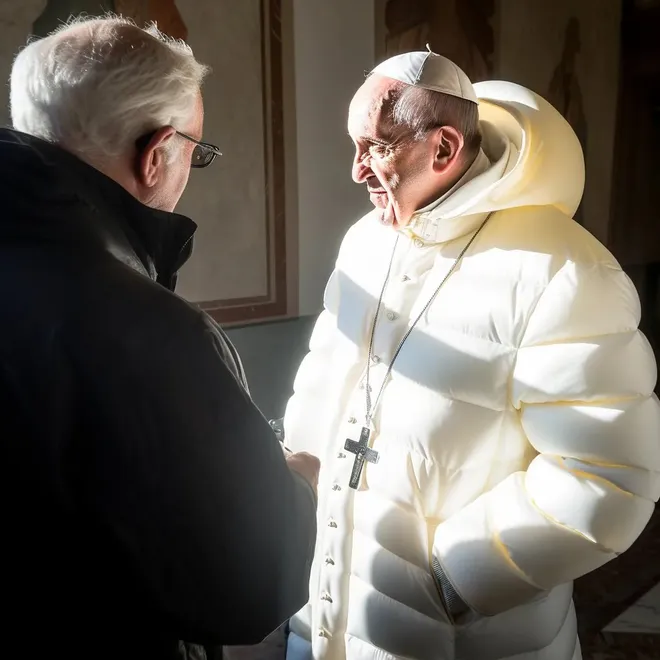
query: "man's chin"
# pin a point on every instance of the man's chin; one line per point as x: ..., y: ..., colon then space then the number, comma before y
x: 379, y: 200
x: 391, y: 218
x: 387, y: 215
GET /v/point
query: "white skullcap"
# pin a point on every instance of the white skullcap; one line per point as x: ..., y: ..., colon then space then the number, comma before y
x: 430, y: 71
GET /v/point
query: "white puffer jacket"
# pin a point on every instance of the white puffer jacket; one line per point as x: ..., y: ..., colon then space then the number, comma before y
x: 518, y: 437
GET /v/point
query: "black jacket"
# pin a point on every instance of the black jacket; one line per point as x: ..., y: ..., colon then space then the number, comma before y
x: 143, y: 497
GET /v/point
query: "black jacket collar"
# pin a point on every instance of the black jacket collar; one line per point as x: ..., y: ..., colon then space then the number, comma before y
x: 49, y: 194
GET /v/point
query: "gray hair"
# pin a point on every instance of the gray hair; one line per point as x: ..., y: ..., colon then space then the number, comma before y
x: 420, y: 110
x: 94, y: 86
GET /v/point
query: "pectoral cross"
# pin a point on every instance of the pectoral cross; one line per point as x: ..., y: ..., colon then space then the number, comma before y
x: 362, y: 453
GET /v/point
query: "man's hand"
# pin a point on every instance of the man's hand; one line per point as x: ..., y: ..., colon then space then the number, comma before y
x: 307, y: 466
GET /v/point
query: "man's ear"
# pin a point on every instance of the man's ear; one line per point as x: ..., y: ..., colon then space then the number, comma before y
x: 449, y: 145
x: 150, y: 160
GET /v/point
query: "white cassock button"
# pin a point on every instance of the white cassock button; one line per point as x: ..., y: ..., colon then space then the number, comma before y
x: 352, y: 420
x: 375, y: 359
x: 419, y: 243
x: 392, y: 316
x: 336, y: 487
x: 329, y: 561
x: 326, y: 597
x: 323, y: 633
x: 341, y: 455
x: 332, y: 523
x: 405, y: 278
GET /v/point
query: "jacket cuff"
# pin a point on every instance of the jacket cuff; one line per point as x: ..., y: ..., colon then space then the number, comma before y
x: 454, y: 604
x: 310, y: 490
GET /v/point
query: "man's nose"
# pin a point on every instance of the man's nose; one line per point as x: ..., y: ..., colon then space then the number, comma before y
x: 361, y: 170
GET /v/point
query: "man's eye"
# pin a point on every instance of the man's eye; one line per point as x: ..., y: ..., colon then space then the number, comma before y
x: 379, y: 150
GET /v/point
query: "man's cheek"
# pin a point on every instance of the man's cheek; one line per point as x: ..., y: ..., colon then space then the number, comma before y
x: 378, y: 172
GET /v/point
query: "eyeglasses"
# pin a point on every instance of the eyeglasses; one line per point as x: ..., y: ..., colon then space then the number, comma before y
x: 202, y: 156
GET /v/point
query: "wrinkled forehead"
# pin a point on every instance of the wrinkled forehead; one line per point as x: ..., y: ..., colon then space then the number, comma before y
x: 370, y: 109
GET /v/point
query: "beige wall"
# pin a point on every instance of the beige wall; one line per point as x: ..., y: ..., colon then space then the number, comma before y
x: 380, y: 30
x: 16, y: 19
x: 334, y: 46
x: 228, y: 199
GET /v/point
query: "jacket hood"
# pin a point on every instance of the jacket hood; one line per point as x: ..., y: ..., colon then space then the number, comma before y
x: 530, y: 156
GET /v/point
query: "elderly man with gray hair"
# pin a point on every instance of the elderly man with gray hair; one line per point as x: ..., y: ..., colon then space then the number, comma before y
x: 476, y: 387
x: 148, y: 509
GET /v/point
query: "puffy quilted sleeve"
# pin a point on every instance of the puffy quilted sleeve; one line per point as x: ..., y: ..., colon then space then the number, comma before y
x: 583, y: 385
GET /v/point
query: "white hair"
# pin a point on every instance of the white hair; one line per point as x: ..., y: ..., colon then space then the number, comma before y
x: 94, y: 86
x: 421, y: 110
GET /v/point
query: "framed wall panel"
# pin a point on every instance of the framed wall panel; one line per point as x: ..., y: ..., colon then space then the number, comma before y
x: 238, y: 272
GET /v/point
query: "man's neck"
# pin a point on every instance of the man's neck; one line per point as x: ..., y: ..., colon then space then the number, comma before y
x: 116, y: 169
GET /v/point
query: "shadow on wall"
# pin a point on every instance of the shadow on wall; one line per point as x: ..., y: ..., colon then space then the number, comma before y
x: 271, y: 354
x: 565, y: 92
